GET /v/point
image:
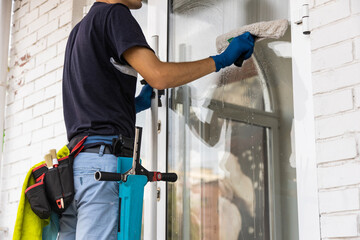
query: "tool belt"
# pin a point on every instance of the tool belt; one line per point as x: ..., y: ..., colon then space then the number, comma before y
x: 54, y: 187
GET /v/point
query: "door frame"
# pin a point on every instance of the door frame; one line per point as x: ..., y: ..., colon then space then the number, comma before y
x: 304, y: 129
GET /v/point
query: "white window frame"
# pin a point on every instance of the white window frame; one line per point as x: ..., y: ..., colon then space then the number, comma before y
x: 304, y: 130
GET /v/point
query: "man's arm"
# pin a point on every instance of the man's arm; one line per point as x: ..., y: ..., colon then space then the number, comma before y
x: 161, y: 75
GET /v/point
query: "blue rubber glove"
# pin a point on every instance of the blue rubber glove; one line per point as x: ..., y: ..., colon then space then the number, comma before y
x: 143, y: 100
x: 242, y: 45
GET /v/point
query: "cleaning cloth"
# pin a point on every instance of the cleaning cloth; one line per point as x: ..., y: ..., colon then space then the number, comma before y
x: 261, y: 30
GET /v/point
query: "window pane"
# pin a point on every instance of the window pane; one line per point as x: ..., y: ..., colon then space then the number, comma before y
x: 230, y: 132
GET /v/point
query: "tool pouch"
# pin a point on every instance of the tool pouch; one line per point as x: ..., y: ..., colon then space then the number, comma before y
x: 54, y: 187
x: 37, y: 198
x: 59, y: 181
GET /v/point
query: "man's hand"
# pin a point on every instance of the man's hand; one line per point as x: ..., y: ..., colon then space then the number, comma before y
x: 143, y: 100
x: 241, y: 46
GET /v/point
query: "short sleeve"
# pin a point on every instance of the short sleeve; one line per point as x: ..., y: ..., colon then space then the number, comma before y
x: 123, y: 31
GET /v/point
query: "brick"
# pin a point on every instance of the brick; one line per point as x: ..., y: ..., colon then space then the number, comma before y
x: 46, y: 56
x: 44, y: 107
x: 20, y: 154
x: 328, y: 13
x: 34, y: 98
x: 337, y: 125
x: 21, y: 12
x: 46, y: 7
x: 48, y: 28
x: 339, y: 200
x: 59, y: 101
x: 26, y: 42
x: 320, y: 2
x: 20, y: 168
x: 45, y: 81
x: 39, y: 46
x: 54, y: 63
x: 14, y: 195
x: 23, y: 116
x: 38, y: 23
x: 61, y: 46
x: 21, y: 34
x: 60, y: 129
x: 339, y: 175
x: 337, y: 32
x: 37, y: 3
x: 9, y: 122
x: 35, y: 73
x: 25, y: 90
x: 333, y: 56
x: 11, y: 183
x: 355, y: 6
x: 13, y: 132
x: 58, y: 35
x: 14, y: 144
x: 357, y: 97
x: 33, y: 124
x: 339, y: 226
x: 53, y: 117
x: 53, y: 90
x: 357, y: 47
x: 57, y: 142
x: 42, y: 134
x: 336, y: 78
x: 29, y: 17
x: 14, y: 107
x: 334, y: 102
x: 66, y: 18
x: 60, y: 10
x: 339, y: 149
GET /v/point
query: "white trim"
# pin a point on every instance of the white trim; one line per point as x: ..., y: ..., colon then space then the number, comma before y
x: 305, y: 154
x: 157, y: 26
x: 5, y: 18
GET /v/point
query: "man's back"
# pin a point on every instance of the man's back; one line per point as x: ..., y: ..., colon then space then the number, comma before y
x: 98, y: 85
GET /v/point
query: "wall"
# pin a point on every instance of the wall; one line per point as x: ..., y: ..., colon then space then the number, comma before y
x: 335, y: 41
x: 34, y: 119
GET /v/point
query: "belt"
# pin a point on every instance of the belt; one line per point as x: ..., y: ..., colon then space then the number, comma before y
x: 96, y: 149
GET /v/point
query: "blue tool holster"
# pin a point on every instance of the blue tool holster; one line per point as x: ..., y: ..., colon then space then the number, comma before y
x: 131, y: 195
x: 132, y: 178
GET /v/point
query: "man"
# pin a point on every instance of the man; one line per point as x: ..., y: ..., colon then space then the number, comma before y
x: 105, y: 51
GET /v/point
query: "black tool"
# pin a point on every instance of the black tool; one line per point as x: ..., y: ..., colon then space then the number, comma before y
x: 137, y: 168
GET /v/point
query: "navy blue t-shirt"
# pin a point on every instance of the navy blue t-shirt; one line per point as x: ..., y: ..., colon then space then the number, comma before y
x: 98, y: 85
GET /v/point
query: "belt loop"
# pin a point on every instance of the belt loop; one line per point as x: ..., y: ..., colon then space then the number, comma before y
x: 101, y: 151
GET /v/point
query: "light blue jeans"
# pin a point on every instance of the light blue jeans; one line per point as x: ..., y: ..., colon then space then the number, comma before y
x: 93, y: 214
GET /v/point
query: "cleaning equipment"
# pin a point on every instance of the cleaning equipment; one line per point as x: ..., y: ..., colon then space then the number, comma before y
x: 261, y: 30
x: 132, y: 178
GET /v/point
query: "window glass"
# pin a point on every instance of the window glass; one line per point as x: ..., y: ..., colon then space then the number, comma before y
x: 229, y: 133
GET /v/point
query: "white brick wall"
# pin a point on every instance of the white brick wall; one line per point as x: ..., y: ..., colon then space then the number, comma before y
x: 34, y: 121
x: 336, y: 83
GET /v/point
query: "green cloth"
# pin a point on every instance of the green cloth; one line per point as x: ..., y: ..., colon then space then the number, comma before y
x: 28, y: 225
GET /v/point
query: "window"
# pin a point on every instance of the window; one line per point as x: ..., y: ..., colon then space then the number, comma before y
x: 229, y: 132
